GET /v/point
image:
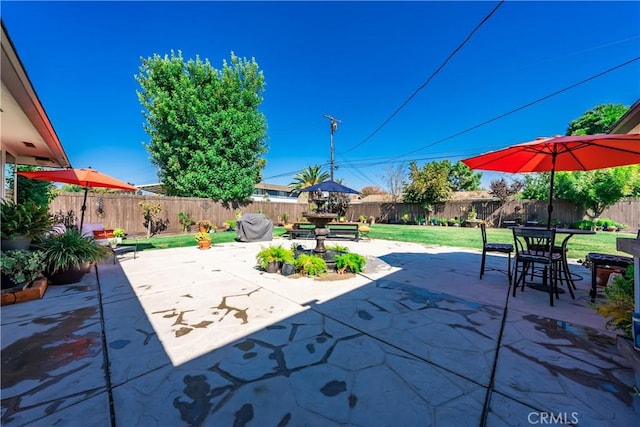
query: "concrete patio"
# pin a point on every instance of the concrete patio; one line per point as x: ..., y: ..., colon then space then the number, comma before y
x: 189, y: 337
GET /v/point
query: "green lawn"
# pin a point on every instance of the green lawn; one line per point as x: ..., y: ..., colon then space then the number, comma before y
x: 465, y: 237
x: 445, y: 236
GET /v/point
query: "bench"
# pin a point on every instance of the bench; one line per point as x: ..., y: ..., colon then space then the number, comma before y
x: 302, y: 230
x: 343, y: 230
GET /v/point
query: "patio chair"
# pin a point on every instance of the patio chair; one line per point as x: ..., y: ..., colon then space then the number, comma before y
x: 533, y: 248
x: 505, y: 248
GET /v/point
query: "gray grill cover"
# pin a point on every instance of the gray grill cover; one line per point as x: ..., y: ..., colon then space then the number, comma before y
x: 254, y: 228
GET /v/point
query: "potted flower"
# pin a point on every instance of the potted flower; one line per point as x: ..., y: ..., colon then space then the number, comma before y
x: 271, y: 258
x: 204, y: 226
x: 68, y: 256
x: 203, y: 239
x: 20, y: 267
x: 20, y: 223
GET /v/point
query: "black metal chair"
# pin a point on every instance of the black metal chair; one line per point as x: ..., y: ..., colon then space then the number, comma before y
x: 505, y: 248
x: 533, y: 247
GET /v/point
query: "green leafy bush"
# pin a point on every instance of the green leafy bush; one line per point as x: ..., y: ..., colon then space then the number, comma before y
x: 21, y: 266
x: 271, y: 254
x: 310, y: 265
x: 185, y: 220
x: 337, y: 248
x: 620, y: 303
x: 350, y: 262
x: 27, y: 218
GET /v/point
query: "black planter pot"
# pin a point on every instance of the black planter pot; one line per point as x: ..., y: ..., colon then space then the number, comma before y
x: 66, y: 277
x: 7, y: 282
x: 17, y: 243
x: 288, y: 269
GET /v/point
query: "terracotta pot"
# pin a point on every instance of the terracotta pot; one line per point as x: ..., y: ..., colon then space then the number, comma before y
x: 204, y: 244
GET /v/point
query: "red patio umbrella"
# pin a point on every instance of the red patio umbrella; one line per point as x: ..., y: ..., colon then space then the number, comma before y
x: 562, y: 153
x: 86, y: 177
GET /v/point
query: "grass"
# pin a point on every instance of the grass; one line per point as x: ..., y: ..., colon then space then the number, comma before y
x: 465, y: 237
x: 462, y: 237
x: 177, y: 240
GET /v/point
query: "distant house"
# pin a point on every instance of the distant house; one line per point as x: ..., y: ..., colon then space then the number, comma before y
x: 273, y: 192
x: 263, y: 192
x: 27, y: 136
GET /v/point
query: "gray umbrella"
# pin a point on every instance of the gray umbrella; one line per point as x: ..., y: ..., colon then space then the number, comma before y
x: 331, y: 187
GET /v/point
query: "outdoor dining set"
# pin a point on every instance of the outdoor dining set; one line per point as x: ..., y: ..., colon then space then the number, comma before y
x: 540, y: 254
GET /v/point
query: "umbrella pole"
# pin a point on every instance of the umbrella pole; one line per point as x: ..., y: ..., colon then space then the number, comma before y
x: 553, y: 171
x: 83, y: 208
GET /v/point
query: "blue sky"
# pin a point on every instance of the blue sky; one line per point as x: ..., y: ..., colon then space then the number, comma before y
x: 357, y: 61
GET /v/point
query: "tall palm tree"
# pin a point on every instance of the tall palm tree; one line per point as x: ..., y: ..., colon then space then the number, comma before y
x: 308, y: 176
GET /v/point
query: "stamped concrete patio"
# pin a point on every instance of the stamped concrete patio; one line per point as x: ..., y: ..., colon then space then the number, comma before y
x: 189, y: 337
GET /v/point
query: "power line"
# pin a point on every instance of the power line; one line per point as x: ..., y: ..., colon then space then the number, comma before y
x: 398, y: 158
x: 523, y: 106
x: 451, y: 55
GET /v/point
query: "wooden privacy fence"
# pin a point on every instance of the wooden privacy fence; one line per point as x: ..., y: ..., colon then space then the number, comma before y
x: 123, y: 210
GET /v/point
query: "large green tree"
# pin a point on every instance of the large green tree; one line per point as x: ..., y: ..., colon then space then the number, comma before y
x: 428, y: 185
x: 207, y: 133
x: 462, y: 178
x: 598, y: 120
x: 592, y: 191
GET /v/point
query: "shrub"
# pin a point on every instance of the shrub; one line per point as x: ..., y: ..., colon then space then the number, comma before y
x: 274, y: 254
x: 350, y: 262
x: 620, y: 303
x: 21, y: 266
x: 185, y: 220
x: 310, y: 265
x: 27, y: 218
x: 337, y: 248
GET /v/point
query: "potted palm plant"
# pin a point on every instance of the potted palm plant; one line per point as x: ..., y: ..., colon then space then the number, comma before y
x: 68, y: 256
x: 21, y: 223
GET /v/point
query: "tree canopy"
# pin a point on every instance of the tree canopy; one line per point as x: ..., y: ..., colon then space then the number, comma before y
x: 598, y: 120
x: 428, y: 185
x: 462, y: 178
x: 41, y: 192
x: 207, y: 133
x: 595, y: 190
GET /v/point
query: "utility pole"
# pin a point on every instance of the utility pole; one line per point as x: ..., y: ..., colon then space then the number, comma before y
x: 334, y: 126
